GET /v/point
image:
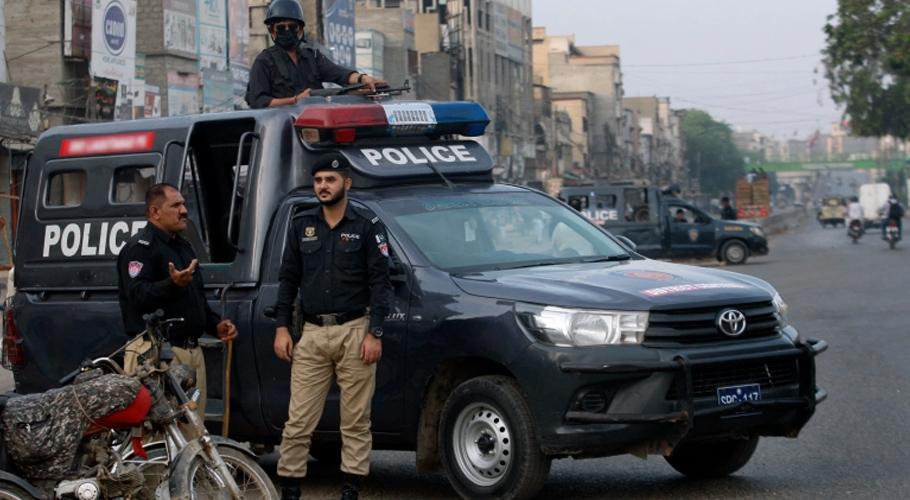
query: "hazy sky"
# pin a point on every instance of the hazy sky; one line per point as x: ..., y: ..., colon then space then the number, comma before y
x: 754, y: 64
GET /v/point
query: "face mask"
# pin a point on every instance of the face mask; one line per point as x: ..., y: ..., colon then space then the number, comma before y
x: 286, y: 39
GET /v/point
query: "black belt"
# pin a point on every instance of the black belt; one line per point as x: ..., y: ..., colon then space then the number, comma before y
x: 334, y: 318
x: 185, y: 342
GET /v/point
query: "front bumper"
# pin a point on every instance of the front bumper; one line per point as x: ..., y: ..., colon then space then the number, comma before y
x: 783, y: 411
x: 758, y: 246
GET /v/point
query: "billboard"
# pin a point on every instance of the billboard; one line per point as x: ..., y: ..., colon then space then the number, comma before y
x: 114, y: 50
x: 180, y: 26
x: 20, y: 111
x: 238, y: 50
x: 212, y: 29
x: 217, y: 90
x: 182, y: 94
x: 339, y: 31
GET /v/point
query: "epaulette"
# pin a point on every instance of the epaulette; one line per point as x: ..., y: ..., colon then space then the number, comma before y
x: 367, y: 214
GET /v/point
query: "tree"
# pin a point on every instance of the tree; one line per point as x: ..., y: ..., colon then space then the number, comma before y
x: 867, y: 63
x: 711, y: 154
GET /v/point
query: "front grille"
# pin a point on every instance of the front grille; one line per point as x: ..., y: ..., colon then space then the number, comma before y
x: 697, y: 325
x: 768, y: 374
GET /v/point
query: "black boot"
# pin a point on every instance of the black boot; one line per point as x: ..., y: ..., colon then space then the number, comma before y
x: 290, y: 488
x: 351, y: 487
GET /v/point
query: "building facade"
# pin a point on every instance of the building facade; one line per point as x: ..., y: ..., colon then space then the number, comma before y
x: 567, y: 67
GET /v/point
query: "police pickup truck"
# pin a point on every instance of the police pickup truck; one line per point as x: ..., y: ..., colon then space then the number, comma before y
x: 662, y: 225
x: 519, y: 331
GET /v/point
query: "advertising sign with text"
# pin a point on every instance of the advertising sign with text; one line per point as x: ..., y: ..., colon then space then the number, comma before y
x: 339, y: 31
x: 114, y: 47
x: 213, y: 44
x: 20, y: 113
x: 180, y: 26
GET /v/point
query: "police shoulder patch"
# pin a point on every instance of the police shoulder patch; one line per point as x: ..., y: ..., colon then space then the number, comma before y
x: 134, y: 268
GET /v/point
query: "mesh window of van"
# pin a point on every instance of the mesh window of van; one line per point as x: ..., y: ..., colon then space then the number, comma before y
x: 66, y: 189
x: 131, y: 183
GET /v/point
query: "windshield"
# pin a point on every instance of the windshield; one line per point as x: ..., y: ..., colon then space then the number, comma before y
x: 487, y: 231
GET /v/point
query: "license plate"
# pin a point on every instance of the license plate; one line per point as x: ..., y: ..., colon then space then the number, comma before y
x: 738, y: 394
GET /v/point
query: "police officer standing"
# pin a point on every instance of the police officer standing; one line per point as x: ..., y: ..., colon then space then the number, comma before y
x: 156, y: 269
x: 336, y: 256
x: 727, y: 212
x: 284, y: 73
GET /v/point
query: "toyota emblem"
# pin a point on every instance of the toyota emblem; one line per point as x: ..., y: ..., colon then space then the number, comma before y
x: 731, y: 322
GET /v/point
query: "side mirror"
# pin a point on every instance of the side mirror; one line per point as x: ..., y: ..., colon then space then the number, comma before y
x: 626, y: 242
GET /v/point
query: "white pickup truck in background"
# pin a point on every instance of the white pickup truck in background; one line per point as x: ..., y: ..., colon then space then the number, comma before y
x: 872, y: 197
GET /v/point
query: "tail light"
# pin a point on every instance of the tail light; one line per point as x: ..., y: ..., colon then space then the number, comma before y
x: 13, y: 353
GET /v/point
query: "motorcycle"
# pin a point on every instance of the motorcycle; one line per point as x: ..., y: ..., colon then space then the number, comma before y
x: 110, y: 435
x: 892, y: 234
x: 855, y: 231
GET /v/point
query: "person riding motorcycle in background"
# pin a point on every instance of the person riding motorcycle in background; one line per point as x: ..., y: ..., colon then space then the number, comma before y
x: 854, y: 212
x: 892, y: 210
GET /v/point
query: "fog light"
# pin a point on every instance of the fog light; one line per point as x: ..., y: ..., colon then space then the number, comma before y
x: 593, y: 402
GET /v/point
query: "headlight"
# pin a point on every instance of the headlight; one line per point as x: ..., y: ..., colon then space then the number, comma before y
x: 782, y: 309
x: 575, y: 327
x: 757, y: 231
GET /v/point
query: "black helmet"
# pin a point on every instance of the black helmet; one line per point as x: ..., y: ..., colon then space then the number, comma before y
x: 284, y: 9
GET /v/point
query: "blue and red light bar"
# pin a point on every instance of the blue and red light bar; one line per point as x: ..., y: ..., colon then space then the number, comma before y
x: 347, y: 122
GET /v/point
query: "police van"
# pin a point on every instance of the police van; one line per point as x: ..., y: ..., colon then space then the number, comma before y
x: 519, y: 331
x: 664, y: 226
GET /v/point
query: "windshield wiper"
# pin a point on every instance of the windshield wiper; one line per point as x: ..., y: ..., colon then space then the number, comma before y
x: 529, y: 264
x: 608, y: 258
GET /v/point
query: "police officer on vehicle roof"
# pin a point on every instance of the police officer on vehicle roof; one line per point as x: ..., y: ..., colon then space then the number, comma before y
x: 156, y: 269
x: 336, y: 257
x: 285, y: 72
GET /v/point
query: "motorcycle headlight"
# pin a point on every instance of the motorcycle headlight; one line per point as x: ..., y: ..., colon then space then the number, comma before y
x: 757, y: 231
x: 782, y: 309
x: 575, y: 327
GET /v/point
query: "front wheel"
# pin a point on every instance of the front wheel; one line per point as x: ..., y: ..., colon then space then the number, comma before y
x: 9, y: 491
x: 714, y: 458
x: 204, y: 481
x: 734, y: 252
x: 489, y: 443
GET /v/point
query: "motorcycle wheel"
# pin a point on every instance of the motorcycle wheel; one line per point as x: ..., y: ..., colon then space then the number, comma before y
x: 204, y: 482
x: 13, y: 492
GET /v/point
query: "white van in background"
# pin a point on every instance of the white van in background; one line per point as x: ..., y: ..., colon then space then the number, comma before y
x: 872, y: 197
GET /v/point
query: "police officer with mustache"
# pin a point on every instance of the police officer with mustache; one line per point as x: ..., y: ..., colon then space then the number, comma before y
x: 156, y: 269
x: 285, y: 72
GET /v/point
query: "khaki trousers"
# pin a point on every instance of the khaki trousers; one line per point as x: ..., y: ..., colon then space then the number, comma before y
x: 192, y: 357
x: 324, y: 351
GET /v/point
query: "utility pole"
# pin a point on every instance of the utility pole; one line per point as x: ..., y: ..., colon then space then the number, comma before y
x: 4, y: 77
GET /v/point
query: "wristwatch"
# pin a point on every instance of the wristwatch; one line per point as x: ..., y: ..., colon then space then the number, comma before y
x: 376, y: 331
x: 360, y: 80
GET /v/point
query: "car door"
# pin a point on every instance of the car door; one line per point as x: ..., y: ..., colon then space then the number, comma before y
x: 691, y: 231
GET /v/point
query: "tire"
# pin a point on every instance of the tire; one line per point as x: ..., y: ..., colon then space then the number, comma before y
x: 206, y: 483
x: 488, y: 441
x: 713, y: 459
x: 734, y: 252
x: 9, y: 491
x: 892, y: 242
